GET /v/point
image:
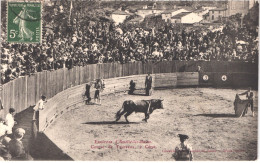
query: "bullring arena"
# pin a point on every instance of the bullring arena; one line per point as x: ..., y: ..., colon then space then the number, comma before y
x: 201, y: 107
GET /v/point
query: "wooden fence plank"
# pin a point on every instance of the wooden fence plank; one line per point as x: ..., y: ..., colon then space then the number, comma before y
x: 187, y: 78
x: 87, y: 73
x: 98, y: 76
x: 23, y: 93
x: 131, y: 69
x: 106, y: 70
x: 81, y: 75
x: 93, y: 73
x: 16, y: 95
x: 59, y: 80
x: 65, y: 78
x: 43, y: 83
x: 119, y: 70
x: 77, y: 75
x: 31, y: 90
x: 111, y: 70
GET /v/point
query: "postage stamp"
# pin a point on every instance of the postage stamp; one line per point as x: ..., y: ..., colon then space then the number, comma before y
x: 24, y: 22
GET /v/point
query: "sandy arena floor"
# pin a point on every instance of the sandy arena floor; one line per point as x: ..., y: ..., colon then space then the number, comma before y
x: 205, y: 114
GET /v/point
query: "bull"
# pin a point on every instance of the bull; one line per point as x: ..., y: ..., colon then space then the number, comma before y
x: 143, y: 106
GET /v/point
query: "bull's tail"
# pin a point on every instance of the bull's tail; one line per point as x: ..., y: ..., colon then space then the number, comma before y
x: 120, y: 112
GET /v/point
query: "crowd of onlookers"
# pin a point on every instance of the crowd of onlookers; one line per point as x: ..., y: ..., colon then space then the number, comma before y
x: 11, y: 146
x: 101, y: 42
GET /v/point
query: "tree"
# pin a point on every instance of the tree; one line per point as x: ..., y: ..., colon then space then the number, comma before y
x: 251, y: 19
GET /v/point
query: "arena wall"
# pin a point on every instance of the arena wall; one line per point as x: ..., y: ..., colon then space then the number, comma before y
x: 25, y: 91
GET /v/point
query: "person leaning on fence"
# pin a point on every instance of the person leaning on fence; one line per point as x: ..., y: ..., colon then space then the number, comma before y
x: 39, y: 106
x: 249, y: 95
x: 10, y: 122
x: 183, y: 152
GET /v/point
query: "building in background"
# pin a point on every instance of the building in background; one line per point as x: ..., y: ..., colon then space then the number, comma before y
x: 149, y: 9
x: 166, y: 15
x: 231, y: 8
x: 119, y: 16
x: 186, y: 18
x: 241, y: 6
x: 217, y: 14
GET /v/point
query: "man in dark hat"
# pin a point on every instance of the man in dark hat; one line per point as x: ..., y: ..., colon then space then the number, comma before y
x: 87, y: 93
x: 99, y: 87
x: 148, y: 84
x: 132, y: 87
x: 183, y: 152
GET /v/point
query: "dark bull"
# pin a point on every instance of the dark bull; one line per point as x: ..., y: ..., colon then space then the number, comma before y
x: 143, y: 106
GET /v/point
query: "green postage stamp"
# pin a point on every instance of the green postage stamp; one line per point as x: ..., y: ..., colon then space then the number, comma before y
x: 24, y: 22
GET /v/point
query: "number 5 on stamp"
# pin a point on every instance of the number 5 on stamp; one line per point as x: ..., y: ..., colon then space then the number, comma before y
x: 24, y: 22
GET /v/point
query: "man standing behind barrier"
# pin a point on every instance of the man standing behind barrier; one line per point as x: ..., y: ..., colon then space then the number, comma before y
x: 39, y: 106
x: 3, y: 130
x: 9, y: 121
x: 249, y: 95
x: 148, y: 84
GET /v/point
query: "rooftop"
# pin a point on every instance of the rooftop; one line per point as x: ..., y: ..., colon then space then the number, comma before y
x: 218, y: 9
x: 137, y: 19
x: 170, y: 11
x: 199, y: 10
x: 180, y: 15
x: 151, y: 9
x: 119, y: 12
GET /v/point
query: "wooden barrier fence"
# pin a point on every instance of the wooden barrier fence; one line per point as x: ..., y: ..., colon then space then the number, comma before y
x: 73, y: 97
x: 25, y: 91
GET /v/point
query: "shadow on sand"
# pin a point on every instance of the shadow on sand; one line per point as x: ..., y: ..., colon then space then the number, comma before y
x: 218, y: 115
x: 138, y: 94
x: 109, y: 122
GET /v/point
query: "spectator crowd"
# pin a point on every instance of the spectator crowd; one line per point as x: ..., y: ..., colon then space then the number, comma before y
x: 11, y: 146
x: 102, y: 42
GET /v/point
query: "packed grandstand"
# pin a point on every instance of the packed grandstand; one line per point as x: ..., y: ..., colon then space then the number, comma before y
x: 96, y: 42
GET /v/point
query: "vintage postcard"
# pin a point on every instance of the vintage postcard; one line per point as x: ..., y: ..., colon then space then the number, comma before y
x: 90, y: 80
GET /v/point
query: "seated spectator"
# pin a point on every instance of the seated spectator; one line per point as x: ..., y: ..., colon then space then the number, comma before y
x: 3, y: 130
x: 4, y: 154
x: 16, y: 148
